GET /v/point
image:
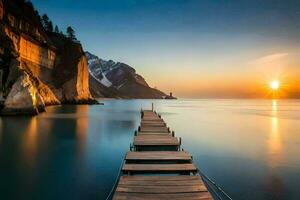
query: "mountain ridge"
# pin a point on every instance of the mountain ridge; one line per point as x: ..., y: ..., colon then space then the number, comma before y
x: 120, y: 78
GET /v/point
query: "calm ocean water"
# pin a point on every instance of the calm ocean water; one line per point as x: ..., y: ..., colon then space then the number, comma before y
x: 249, y: 147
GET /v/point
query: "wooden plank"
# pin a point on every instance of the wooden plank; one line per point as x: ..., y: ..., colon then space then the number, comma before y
x: 153, y: 133
x: 159, y: 155
x: 150, y: 114
x: 159, y: 183
x: 161, y: 178
x: 148, y: 126
x: 154, y: 129
x: 153, y: 189
x: 155, y: 124
x: 158, y: 130
x: 148, y: 118
x: 178, y: 196
x: 152, y: 120
x: 155, y: 140
x: 159, y: 168
x: 161, y: 187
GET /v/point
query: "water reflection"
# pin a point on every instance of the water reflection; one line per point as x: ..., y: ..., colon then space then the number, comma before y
x: 30, y: 142
x: 74, y: 152
x: 82, y: 124
x: 274, y: 106
x: 275, y: 189
x: 274, y: 184
x: 275, y: 141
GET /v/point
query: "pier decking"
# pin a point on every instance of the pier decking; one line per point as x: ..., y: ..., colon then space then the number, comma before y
x: 156, y: 152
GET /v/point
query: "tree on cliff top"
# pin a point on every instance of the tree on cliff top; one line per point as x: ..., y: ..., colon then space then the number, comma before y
x: 71, y: 33
x: 49, y: 27
x: 29, y: 4
x: 45, y: 20
x: 47, y: 23
x: 56, y: 29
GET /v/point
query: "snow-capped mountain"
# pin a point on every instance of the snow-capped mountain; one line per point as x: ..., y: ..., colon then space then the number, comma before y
x: 121, y: 79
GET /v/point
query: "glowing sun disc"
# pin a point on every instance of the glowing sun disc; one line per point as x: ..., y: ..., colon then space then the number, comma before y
x: 274, y: 85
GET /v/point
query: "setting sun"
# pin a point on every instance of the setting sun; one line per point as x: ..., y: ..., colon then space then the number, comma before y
x: 274, y: 85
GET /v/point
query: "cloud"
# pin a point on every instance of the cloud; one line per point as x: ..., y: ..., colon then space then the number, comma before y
x: 271, y: 58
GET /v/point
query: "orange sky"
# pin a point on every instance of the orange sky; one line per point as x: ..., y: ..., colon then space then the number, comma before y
x: 250, y: 79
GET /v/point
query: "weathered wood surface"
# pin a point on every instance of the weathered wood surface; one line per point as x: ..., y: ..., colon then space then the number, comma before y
x: 161, y: 187
x: 154, y: 129
x: 165, y: 196
x: 154, y: 179
x: 151, y: 119
x: 152, y: 137
x: 155, y: 124
x: 155, y: 140
x: 175, y: 168
x: 159, y: 155
x: 154, y: 120
x: 153, y: 133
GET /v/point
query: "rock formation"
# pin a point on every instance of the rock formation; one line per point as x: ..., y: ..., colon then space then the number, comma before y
x: 38, y: 68
x: 71, y: 71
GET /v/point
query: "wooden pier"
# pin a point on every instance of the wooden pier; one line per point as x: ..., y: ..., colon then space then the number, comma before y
x: 157, y: 168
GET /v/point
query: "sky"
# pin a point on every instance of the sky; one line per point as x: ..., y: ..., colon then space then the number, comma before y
x: 193, y: 48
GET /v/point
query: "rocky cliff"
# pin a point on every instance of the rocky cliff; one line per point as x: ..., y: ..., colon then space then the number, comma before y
x: 38, y: 68
x: 118, y: 80
x: 70, y: 74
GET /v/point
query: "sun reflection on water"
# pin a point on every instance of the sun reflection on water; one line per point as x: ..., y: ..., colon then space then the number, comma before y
x: 274, y: 107
x: 275, y: 142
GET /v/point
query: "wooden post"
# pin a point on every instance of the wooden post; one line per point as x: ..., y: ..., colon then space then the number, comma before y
x: 152, y: 106
x: 173, y: 133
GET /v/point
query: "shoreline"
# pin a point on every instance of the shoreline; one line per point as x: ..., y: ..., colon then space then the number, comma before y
x: 32, y: 111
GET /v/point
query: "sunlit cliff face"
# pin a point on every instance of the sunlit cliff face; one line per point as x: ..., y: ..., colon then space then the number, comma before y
x: 82, y: 79
x: 34, y: 53
x: 32, y: 90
